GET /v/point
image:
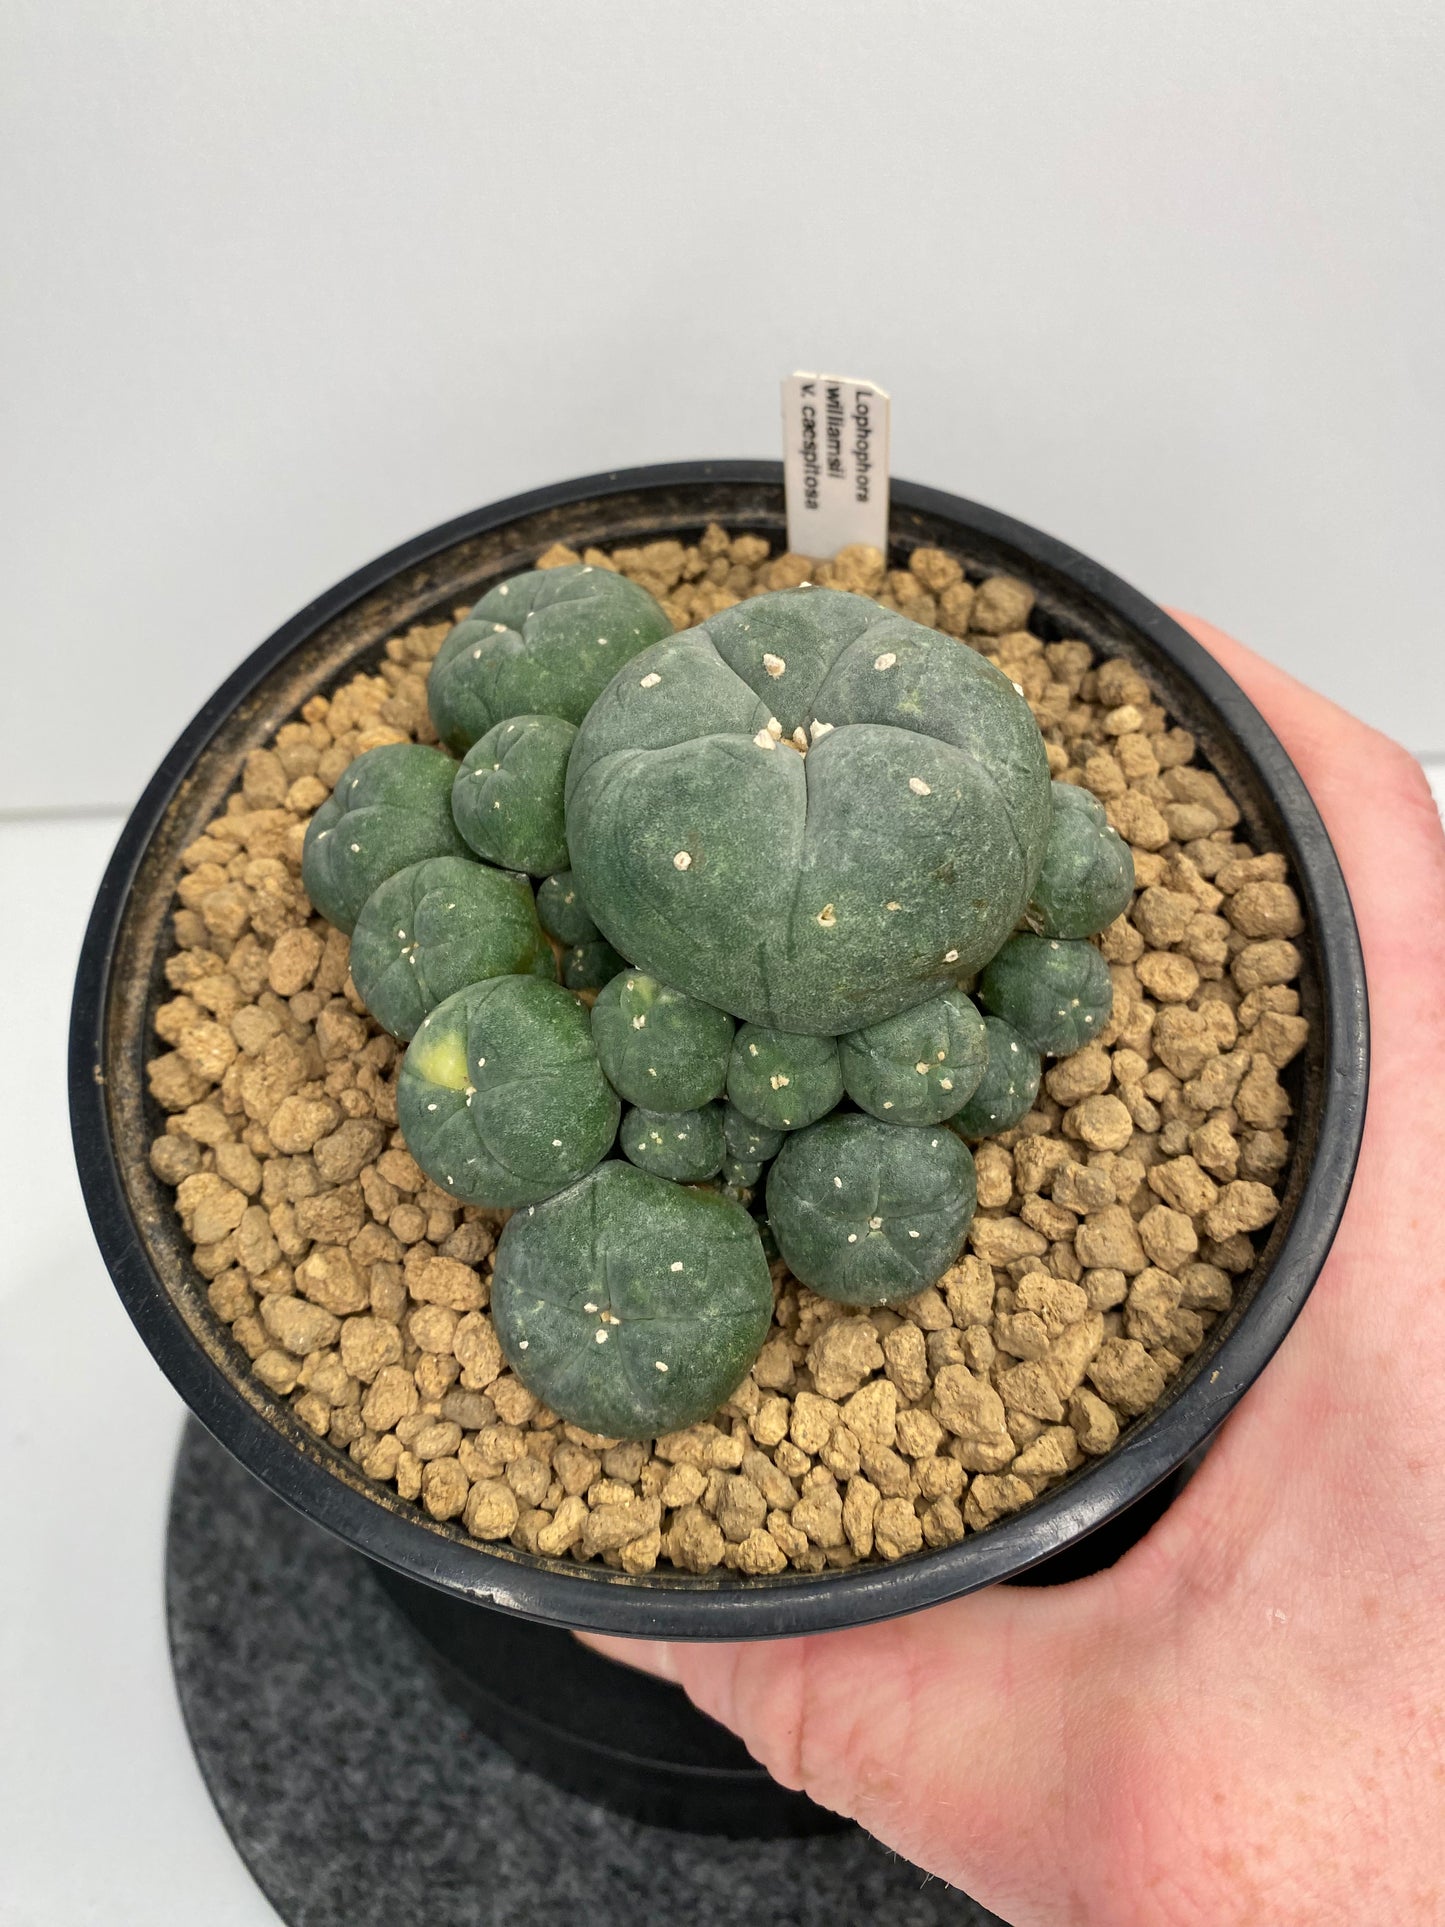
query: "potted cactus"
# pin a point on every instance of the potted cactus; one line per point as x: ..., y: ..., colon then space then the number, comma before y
x: 800, y: 830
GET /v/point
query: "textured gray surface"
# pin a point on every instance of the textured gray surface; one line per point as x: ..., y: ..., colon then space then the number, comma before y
x: 359, y: 1797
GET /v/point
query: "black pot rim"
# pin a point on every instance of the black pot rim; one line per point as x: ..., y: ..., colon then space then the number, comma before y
x: 595, y: 1598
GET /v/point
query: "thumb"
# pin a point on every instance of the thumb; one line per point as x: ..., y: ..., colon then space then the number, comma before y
x: 959, y: 1736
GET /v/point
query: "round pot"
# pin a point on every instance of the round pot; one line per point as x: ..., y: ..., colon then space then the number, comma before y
x: 119, y: 983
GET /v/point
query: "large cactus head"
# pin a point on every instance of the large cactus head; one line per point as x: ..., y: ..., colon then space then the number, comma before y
x: 633, y: 1305
x: 501, y: 1098
x: 807, y: 811
x: 391, y: 807
x: 545, y: 643
x: 436, y: 927
x: 870, y: 1213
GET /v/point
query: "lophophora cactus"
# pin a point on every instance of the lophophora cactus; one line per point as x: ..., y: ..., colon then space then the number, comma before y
x: 774, y: 853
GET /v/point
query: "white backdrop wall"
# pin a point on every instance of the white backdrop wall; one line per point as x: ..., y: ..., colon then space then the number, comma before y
x: 291, y: 280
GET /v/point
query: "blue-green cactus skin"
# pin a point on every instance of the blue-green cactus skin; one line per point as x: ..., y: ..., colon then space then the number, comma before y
x: 501, y: 1099
x: 868, y: 1213
x: 631, y: 1306
x: 390, y: 808
x: 748, y: 1142
x: 1008, y: 1087
x: 561, y: 911
x: 588, y: 966
x: 1087, y: 879
x: 783, y: 1080
x: 543, y: 644
x: 659, y: 1048
x: 811, y: 893
x: 920, y: 1066
x: 436, y: 927
x: 686, y: 1146
x: 507, y: 796
x: 1056, y: 992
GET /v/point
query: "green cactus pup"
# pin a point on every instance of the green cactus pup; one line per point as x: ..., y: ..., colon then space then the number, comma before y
x: 507, y: 796
x: 436, y: 927
x: 686, y: 1146
x: 542, y: 644
x: 808, y: 811
x: 1088, y: 874
x: 1007, y: 1088
x: 781, y: 1079
x: 390, y: 808
x: 869, y: 1213
x: 659, y: 1048
x: 588, y: 966
x: 1055, y: 991
x: 501, y: 1099
x: 629, y: 1305
x: 920, y: 1066
x: 740, y: 1174
x: 749, y: 1143
x: 561, y: 912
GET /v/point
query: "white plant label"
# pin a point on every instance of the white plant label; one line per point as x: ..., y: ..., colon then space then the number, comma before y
x: 835, y: 463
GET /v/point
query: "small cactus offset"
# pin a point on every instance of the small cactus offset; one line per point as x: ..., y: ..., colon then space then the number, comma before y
x: 919, y: 1067
x: 501, y: 1098
x: 436, y: 927
x: 748, y: 1142
x: 869, y: 1213
x: 588, y: 966
x: 1055, y: 992
x: 507, y: 797
x: 547, y: 643
x: 686, y: 1146
x: 659, y: 1048
x: 781, y: 1080
x: 561, y: 911
x: 1088, y: 875
x: 1008, y: 1087
x: 390, y: 808
x: 771, y: 851
x: 633, y: 1305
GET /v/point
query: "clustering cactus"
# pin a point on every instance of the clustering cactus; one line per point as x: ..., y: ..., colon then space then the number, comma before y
x: 543, y: 644
x: 391, y: 807
x: 633, y: 1305
x: 1056, y: 992
x: 507, y: 797
x: 1088, y: 875
x: 778, y: 848
x: 436, y: 927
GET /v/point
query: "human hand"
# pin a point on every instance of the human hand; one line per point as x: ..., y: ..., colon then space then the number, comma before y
x: 1243, y: 1721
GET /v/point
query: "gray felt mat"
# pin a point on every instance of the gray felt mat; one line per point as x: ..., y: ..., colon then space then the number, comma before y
x: 359, y: 1797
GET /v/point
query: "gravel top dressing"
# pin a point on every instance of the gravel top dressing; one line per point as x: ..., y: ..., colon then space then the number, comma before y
x: 1114, y: 1214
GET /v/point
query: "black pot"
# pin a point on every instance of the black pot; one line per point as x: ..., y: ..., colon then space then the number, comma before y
x: 120, y: 981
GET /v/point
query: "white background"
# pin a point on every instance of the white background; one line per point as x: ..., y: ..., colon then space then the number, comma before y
x: 290, y: 280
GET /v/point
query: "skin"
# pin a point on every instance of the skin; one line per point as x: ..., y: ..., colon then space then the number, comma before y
x: 1244, y: 1719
